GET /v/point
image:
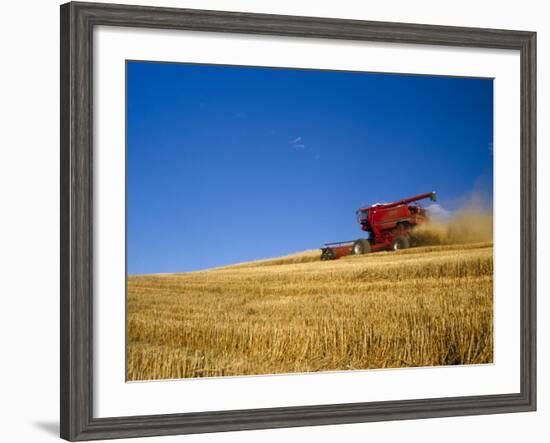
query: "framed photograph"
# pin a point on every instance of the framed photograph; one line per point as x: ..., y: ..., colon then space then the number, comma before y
x: 272, y: 221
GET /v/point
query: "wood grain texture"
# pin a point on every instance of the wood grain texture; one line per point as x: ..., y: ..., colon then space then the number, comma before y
x: 76, y: 307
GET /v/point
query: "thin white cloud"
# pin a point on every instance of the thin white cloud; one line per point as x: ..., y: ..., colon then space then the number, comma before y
x: 297, y: 143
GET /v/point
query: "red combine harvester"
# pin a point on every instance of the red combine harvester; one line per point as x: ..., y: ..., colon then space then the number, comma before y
x: 389, y: 226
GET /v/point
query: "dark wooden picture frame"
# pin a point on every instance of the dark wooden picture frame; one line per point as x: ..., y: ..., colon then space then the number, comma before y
x: 77, y: 23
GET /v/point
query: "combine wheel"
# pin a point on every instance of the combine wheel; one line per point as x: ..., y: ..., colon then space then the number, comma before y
x: 400, y: 242
x: 361, y: 246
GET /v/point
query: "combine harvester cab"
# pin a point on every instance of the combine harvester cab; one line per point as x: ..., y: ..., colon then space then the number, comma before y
x: 389, y: 226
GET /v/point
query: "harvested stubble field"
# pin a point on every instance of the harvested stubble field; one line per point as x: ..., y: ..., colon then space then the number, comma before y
x: 423, y: 306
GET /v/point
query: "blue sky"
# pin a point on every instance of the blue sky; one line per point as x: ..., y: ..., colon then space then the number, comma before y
x: 228, y: 164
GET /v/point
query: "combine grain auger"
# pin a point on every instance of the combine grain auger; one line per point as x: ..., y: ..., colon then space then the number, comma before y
x: 389, y: 226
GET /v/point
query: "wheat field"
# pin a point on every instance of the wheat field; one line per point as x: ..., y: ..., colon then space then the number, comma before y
x: 423, y: 306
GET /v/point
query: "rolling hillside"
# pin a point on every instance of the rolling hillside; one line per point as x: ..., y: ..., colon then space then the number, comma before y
x: 418, y: 307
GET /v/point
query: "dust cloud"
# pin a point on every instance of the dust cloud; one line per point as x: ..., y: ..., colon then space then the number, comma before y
x: 471, y: 224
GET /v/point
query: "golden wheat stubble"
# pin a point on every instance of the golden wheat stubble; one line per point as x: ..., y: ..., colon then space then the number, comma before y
x: 420, y: 307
